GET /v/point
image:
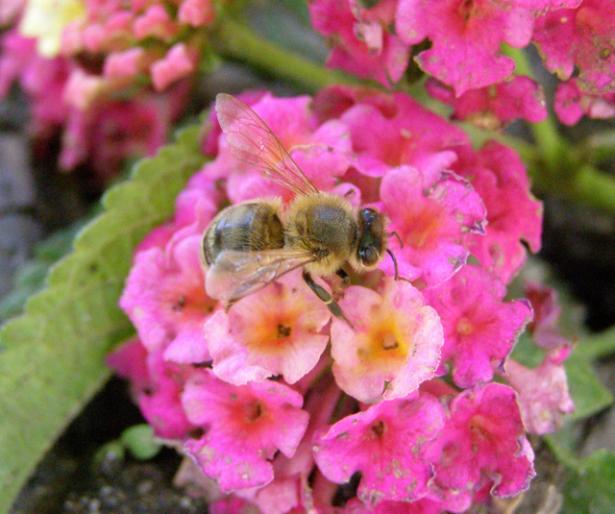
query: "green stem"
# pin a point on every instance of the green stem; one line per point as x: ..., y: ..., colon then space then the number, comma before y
x: 587, y: 185
x: 237, y: 41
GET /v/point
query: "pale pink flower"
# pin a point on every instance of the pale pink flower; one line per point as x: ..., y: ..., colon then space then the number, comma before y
x: 543, y: 394
x: 482, y: 445
x: 178, y: 63
x: 196, y: 13
x: 155, y: 22
x: 243, y: 427
x: 125, y: 64
x: 393, y: 346
x: 385, y: 444
x: 82, y: 89
x: 432, y: 219
x: 274, y: 331
x: 9, y: 11
x: 480, y: 328
x: 496, y: 105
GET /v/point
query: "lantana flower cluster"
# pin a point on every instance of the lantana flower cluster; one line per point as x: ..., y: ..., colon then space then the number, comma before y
x: 113, y: 75
x: 460, y: 45
x: 417, y: 408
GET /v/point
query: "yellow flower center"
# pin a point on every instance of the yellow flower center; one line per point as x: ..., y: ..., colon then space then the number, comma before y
x: 465, y: 327
x: 384, y: 342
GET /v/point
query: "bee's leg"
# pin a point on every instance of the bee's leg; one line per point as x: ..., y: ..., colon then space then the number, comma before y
x: 326, y: 297
x: 344, y: 276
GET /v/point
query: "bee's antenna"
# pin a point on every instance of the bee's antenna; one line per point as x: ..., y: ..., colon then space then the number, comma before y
x: 392, y: 256
x: 396, y: 236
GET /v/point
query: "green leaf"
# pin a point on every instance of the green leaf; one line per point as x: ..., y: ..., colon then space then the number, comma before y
x: 591, y: 490
x: 588, y: 393
x: 596, y: 346
x: 30, y: 278
x: 52, y: 356
x: 527, y: 352
x: 140, y: 441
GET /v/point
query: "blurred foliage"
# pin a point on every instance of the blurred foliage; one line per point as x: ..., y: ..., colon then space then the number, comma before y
x: 53, y: 355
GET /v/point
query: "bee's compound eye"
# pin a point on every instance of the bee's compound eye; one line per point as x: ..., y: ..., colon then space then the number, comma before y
x: 368, y: 255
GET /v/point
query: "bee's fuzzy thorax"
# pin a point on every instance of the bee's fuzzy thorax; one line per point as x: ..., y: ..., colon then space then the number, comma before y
x: 325, y: 225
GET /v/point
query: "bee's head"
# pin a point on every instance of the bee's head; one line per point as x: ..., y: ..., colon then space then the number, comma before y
x: 372, y: 237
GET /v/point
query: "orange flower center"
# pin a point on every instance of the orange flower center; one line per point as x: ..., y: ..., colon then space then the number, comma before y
x: 384, y: 342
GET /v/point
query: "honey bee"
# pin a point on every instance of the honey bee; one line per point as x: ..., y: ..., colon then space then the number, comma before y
x: 249, y: 245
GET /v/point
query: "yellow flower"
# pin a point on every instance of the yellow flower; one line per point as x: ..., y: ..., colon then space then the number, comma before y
x: 45, y: 20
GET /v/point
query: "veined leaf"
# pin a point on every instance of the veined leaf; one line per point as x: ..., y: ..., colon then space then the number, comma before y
x: 52, y: 356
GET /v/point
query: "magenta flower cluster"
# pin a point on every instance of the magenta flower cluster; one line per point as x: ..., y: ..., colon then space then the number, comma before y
x: 276, y: 403
x: 464, y: 56
x: 121, y: 78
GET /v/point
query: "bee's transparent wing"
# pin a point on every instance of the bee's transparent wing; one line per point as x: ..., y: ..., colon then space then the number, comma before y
x: 237, y: 274
x: 253, y: 143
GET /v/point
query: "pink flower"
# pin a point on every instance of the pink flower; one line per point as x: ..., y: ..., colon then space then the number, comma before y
x: 513, y: 214
x: 423, y: 506
x: 155, y: 22
x: 165, y: 299
x: 274, y: 331
x: 42, y: 80
x: 283, y: 444
x: 543, y: 394
x: 213, y: 131
x: 572, y: 103
x: 157, y: 386
x: 544, y: 327
x: 196, y: 13
x: 399, y: 132
x: 323, y: 152
x: 176, y: 64
x: 494, y: 106
x: 363, y: 43
x: 82, y: 89
x: 481, y: 445
x: 124, y: 64
x: 581, y: 38
x: 243, y: 428
x: 432, y: 219
x: 480, y: 329
x: 465, y: 38
x: 394, y: 344
x: 232, y: 505
x: 385, y: 444
x: 105, y: 134
x: 9, y: 11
